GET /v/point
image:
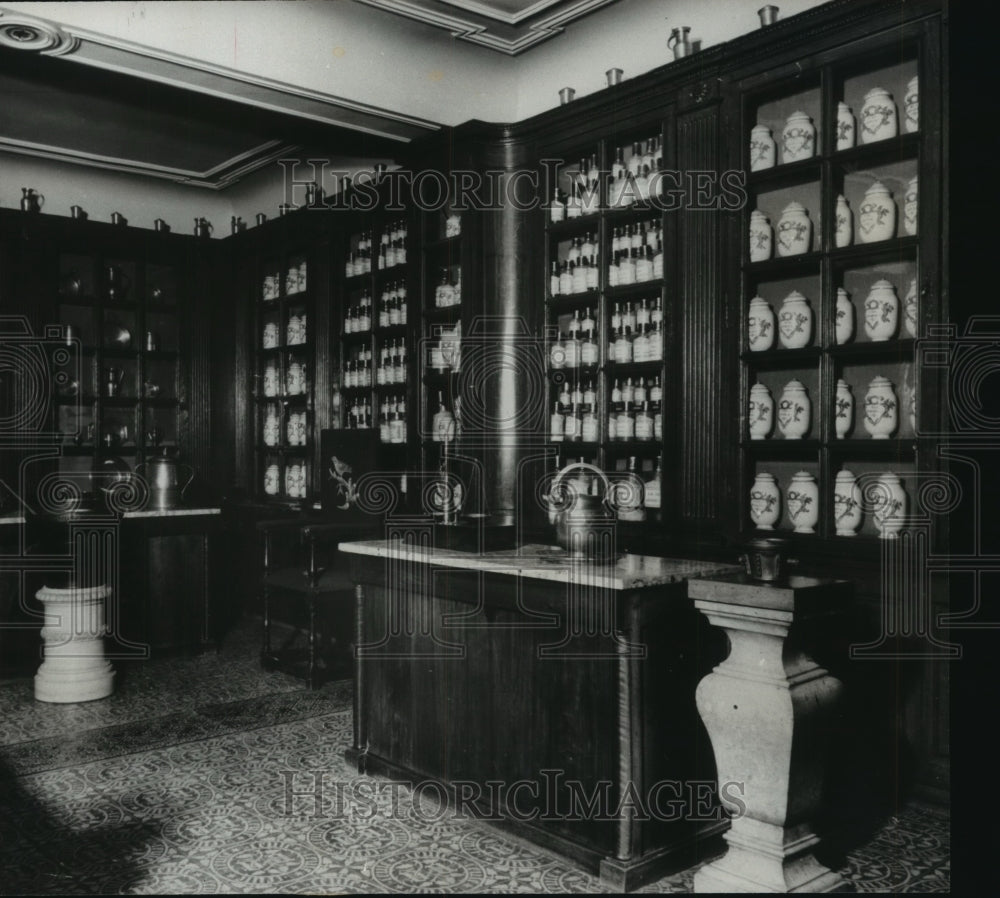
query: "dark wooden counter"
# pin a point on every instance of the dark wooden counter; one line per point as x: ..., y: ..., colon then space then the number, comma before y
x: 557, y: 696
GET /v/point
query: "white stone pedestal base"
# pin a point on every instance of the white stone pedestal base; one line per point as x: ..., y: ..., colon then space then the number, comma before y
x: 768, y: 711
x: 75, y: 668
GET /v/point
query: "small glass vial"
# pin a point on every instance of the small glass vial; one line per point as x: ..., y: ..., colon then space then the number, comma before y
x: 557, y: 211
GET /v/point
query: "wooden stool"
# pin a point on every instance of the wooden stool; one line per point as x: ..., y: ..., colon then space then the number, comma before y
x: 74, y: 668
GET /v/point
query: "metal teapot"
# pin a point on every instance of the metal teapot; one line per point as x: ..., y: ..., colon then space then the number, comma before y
x: 162, y: 474
x: 31, y: 200
x: 581, y: 518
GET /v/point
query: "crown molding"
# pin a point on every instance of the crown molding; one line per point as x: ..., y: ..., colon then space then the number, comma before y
x: 216, y: 178
x: 26, y: 33
x: 531, y: 26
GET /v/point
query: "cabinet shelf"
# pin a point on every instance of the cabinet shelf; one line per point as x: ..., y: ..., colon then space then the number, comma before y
x: 862, y: 446
x: 787, y: 175
x: 882, y: 152
x: 808, y: 355
x: 885, y: 350
x: 883, y: 251
x: 356, y: 337
x: 574, y: 227
x: 567, y: 301
x: 391, y: 331
x: 619, y: 215
x: 787, y: 266
x: 445, y: 315
x: 779, y: 446
x: 634, y: 447
x: 624, y: 291
x: 443, y: 243
x: 628, y: 369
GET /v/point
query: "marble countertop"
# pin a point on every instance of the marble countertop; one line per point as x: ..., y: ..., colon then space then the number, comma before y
x: 548, y: 563
x: 170, y: 512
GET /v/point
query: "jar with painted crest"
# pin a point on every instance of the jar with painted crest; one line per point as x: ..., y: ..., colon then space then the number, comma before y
x: 847, y: 513
x: 795, y: 229
x: 881, y: 311
x: 878, y: 116
x: 911, y: 309
x: 271, y: 480
x: 762, y: 148
x: 877, y: 218
x: 843, y: 404
x: 765, y: 501
x: 910, y: 206
x: 760, y: 412
x: 844, y: 321
x: 881, y: 408
x: 761, y: 237
x: 889, y: 505
x: 271, y: 379
x: 795, y: 321
x: 911, y: 106
x: 798, y: 138
x: 846, y: 127
x: 794, y: 411
x: 295, y: 380
x: 843, y: 234
x: 761, y: 325
x: 272, y: 427
x: 802, y: 502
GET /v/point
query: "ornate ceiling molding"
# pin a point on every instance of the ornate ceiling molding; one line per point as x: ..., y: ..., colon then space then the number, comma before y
x: 517, y: 31
x: 216, y: 178
x: 21, y: 32
x: 117, y: 55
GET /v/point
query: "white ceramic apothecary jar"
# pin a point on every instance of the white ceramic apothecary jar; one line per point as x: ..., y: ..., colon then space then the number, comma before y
x: 910, y: 206
x: 760, y: 412
x: 794, y: 411
x: 762, y: 148
x: 272, y: 428
x: 843, y: 234
x: 847, y: 512
x: 911, y: 106
x: 911, y: 309
x: 761, y: 237
x: 761, y: 325
x: 295, y: 379
x: 878, y: 116
x: 271, y: 379
x: 881, y: 312
x: 889, y: 505
x: 798, y: 138
x: 846, y: 130
x: 794, y: 234
x: 271, y: 480
x: 795, y: 321
x: 843, y: 405
x: 802, y: 502
x: 877, y: 218
x: 765, y: 501
x: 844, y: 319
x: 881, y: 408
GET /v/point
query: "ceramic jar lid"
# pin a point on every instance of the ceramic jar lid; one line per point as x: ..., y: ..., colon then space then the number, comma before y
x: 878, y: 188
x: 794, y: 386
x: 794, y: 297
x: 757, y: 215
x: 877, y: 92
x: 794, y: 208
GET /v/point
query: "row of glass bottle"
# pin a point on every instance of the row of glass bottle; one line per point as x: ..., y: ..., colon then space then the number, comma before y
x: 392, y: 310
x: 295, y: 282
x: 629, y: 181
x: 879, y: 121
x: 794, y: 321
x: 793, y: 412
x: 392, y: 420
x: 885, y: 496
x: 629, y: 421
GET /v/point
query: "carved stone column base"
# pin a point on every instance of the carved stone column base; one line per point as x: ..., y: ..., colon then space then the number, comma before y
x: 75, y: 668
x: 763, y: 857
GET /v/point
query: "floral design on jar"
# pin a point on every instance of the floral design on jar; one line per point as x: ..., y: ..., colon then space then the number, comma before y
x: 760, y: 325
x: 760, y: 412
x: 762, y: 148
x: 911, y: 309
x: 765, y: 501
x: 881, y: 408
x: 760, y: 237
x: 794, y: 411
x: 911, y: 106
x: 795, y: 321
x: 846, y: 131
x: 877, y: 219
x: 888, y: 500
x: 798, y: 138
x: 910, y: 207
x: 881, y: 312
x: 802, y: 502
x: 794, y: 230
x: 843, y: 233
x: 844, y: 317
x: 878, y: 116
x: 847, y: 511
x: 843, y: 403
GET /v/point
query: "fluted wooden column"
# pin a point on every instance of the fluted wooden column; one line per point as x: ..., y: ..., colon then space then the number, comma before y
x: 767, y: 709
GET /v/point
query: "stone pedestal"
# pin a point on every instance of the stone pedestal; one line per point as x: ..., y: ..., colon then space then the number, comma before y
x: 767, y: 709
x: 74, y: 668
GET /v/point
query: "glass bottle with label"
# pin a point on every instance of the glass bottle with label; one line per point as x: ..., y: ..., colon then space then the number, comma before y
x: 590, y: 425
x: 589, y: 395
x: 571, y: 349
x: 653, y: 488
x: 623, y: 346
x: 626, y: 422
x: 644, y: 423
x: 640, y: 346
x: 566, y: 279
x: 588, y: 323
x: 554, y: 288
x: 640, y: 395
x: 589, y: 352
x: 557, y: 211
x: 556, y: 425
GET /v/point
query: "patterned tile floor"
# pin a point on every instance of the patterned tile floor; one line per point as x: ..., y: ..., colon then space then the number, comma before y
x: 199, y: 775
